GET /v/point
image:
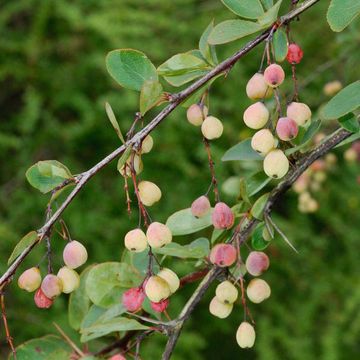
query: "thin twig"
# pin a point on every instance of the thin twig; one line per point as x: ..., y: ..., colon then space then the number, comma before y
x: 7, y: 331
x: 68, y: 340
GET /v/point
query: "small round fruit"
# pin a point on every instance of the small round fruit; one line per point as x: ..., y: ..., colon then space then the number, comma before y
x: 201, y: 206
x: 212, y: 128
x: 147, y: 144
x: 30, y: 279
x: 195, y: 115
x: 223, y: 255
x: 257, y: 88
x: 125, y: 170
x: 245, y: 335
x: 286, y: 128
x: 117, y: 357
x: 41, y: 300
x: 332, y: 87
x: 158, y: 235
x: 74, y: 254
x: 51, y: 286
x: 160, y: 306
x: 274, y: 75
x: 70, y: 279
x: 302, y: 183
x: 220, y: 309
x: 171, y: 278
x: 299, y: 112
x: 226, y: 292
x: 135, y: 240
x: 157, y: 289
x: 294, y: 54
x: 256, y: 116
x: 350, y: 155
x: 276, y: 164
x: 263, y: 141
x: 222, y: 216
x: 149, y: 193
x: 257, y: 262
x: 133, y: 299
x: 258, y: 290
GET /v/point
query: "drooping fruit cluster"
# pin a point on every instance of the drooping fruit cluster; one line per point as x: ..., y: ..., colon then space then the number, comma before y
x: 225, y: 296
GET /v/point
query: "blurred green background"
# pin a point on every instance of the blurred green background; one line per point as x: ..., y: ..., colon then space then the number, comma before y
x: 53, y: 88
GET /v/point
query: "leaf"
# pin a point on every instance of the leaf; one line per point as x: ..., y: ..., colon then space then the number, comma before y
x: 243, y: 191
x: 270, y: 16
x: 47, y: 175
x: 92, y: 316
x: 345, y: 101
x: 259, y: 205
x: 267, y: 4
x: 257, y: 241
x: 150, y: 94
x: 208, y: 51
x: 130, y: 68
x: 280, y: 44
x: 197, y: 249
x: 241, y: 151
x: 28, y: 240
x: 350, y: 139
x: 350, y: 123
x: 341, y: 13
x: 110, y: 114
x: 123, y: 158
x: 250, y: 9
x: 257, y: 182
x: 231, y: 30
x: 183, y: 222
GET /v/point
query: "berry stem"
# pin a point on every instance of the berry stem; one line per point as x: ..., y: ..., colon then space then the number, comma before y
x: 212, y: 169
x: 9, y: 338
x: 294, y: 78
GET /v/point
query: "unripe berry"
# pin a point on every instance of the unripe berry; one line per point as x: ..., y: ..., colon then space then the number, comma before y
x: 286, y: 128
x: 331, y: 88
x: 149, y: 193
x: 245, y: 335
x: 51, y: 286
x: 257, y: 262
x: 276, y: 164
x: 330, y: 159
x: 257, y: 88
x: 42, y: 301
x: 195, y: 115
x: 318, y: 165
x: 135, y: 240
x: 320, y: 176
x: 220, y: 309
x: 256, y: 115
x: 138, y: 166
x: 263, y: 141
x: 350, y: 155
x: 74, y: 254
x: 258, y: 290
x: 212, y: 128
x: 70, y: 279
x: 157, y: 289
x: 222, y: 216
x: 201, y: 206
x: 171, y: 278
x: 299, y: 112
x: 158, y: 235
x: 294, y: 54
x: 117, y: 357
x: 302, y: 183
x: 274, y: 75
x: 226, y: 292
x: 30, y: 279
x: 223, y: 255
x: 147, y: 144
x: 133, y: 299
x: 160, y: 306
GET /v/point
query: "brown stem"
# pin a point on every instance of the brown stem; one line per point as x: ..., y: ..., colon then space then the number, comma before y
x: 212, y: 170
x: 294, y: 78
x: 7, y: 331
x: 195, y: 276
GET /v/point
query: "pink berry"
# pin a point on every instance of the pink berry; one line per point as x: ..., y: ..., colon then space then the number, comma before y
x: 257, y: 262
x: 160, y: 306
x: 274, y: 75
x: 133, y: 298
x: 118, y: 357
x: 42, y: 301
x: 223, y: 255
x: 201, y: 206
x: 294, y: 54
x: 222, y: 216
x: 287, y: 129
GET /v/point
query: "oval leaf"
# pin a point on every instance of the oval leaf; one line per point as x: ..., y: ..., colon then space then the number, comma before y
x: 241, y: 151
x: 350, y: 123
x: 28, y: 240
x: 341, y: 13
x: 150, y: 94
x: 208, y: 51
x: 270, y: 16
x: 257, y: 241
x: 280, y: 44
x: 259, y: 205
x: 250, y: 9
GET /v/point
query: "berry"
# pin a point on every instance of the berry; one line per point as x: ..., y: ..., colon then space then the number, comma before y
x: 74, y: 254
x: 147, y: 144
x: 117, y: 357
x: 158, y: 235
x: 302, y: 183
x: 51, y: 286
x: 257, y: 262
x: 223, y: 255
x: 222, y: 216
x: 276, y: 164
x: 42, y: 301
x: 226, y: 292
x: 219, y: 309
x: 133, y: 299
x: 195, y: 115
x: 245, y: 335
x: 256, y: 88
x: 212, y: 128
x: 171, y: 278
x: 160, y: 306
x: 201, y: 206
x: 157, y: 289
x: 125, y: 170
x: 350, y: 155
x: 256, y: 116
x: 149, y: 193
x: 286, y: 128
x: 332, y: 87
x: 70, y: 279
x: 294, y: 54
x: 258, y: 290
x: 135, y: 240
x: 274, y: 75
x: 263, y: 141
x: 299, y: 112
x: 30, y: 279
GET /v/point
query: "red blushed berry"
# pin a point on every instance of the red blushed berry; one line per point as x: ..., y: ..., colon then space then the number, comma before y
x: 295, y: 54
x: 222, y: 216
x: 42, y: 301
x: 133, y: 298
x: 223, y: 255
x: 160, y: 306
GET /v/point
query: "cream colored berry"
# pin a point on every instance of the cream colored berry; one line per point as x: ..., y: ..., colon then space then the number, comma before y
x: 158, y: 235
x: 245, y: 335
x: 149, y: 193
x: 220, y: 309
x: 195, y: 115
x: 276, y: 164
x: 263, y: 141
x: 171, y: 278
x: 70, y: 279
x: 299, y: 112
x: 51, y: 286
x: 258, y: 290
x: 257, y: 88
x: 226, y: 292
x: 74, y: 254
x: 30, y: 279
x: 147, y: 144
x: 212, y: 128
x: 256, y: 116
x: 157, y: 289
x: 135, y: 240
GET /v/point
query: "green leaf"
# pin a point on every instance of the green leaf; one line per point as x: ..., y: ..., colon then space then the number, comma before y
x: 231, y: 30
x: 349, y: 140
x: 208, y: 51
x: 92, y: 316
x: 280, y: 44
x: 197, y: 249
x: 110, y: 114
x: 341, y: 13
x: 242, y: 151
x: 150, y: 94
x: 47, y: 175
x: 257, y: 182
x: 257, y: 241
x: 130, y: 68
x: 243, y: 191
x: 350, y: 123
x: 183, y: 222
x: 250, y: 9
x: 267, y: 4
x: 270, y: 16
x: 259, y: 205
x: 28, y: 240
x: 123, y: 158
x: 345, y: 101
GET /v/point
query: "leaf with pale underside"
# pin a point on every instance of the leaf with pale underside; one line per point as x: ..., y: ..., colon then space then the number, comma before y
x: 28, y: 240
x: 110, y: 114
